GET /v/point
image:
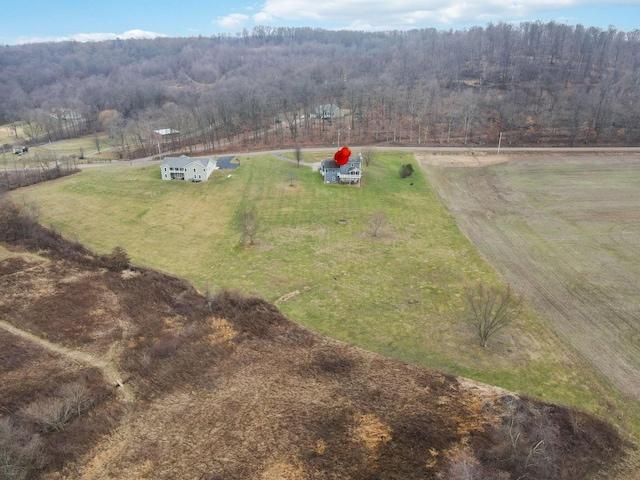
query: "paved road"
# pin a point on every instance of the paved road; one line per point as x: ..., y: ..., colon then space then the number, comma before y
x: 225, y: 162
x: 453, y: 150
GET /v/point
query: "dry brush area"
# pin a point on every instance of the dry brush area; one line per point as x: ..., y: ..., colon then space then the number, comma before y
x: 225, y: 386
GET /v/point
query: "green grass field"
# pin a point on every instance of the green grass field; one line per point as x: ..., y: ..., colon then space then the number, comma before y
x: 72, y: 148
x: 400, y: 293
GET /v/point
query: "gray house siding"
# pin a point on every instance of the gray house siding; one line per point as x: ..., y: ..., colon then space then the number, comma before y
x: 350, y: 173
x: 185, y: 168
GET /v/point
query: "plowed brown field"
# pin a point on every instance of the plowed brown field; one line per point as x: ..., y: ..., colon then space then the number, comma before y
x: 564, y: 230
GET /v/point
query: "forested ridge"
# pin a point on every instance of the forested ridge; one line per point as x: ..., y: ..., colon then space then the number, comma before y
x: 536, y: 83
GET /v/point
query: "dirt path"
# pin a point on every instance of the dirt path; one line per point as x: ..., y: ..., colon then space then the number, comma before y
x: 108, y: 370
x: 461, y: 159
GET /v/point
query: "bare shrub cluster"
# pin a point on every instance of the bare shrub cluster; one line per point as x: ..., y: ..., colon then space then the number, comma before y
x: 45, y: 433
x: 53, y: 413
x: 491, y: 309
x: 22, y: 454
x: 252, y: 315
x: 527, y: 442
x: 539, y: 441
x: 465, y: 466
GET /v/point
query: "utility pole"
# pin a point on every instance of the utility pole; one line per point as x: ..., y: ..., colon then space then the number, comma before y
x: 499, y: 143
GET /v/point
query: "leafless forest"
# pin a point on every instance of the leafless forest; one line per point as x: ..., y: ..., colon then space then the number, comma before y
x: 536, y: 83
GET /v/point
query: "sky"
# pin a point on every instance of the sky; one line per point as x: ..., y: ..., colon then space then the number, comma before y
x: 29, y: 21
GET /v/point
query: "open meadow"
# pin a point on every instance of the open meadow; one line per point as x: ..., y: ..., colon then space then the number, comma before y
x: 566, y: 231
x: 399, y: 293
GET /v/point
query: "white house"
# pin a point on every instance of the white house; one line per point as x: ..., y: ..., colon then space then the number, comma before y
x: 185, y: 168
x: 326, y: 112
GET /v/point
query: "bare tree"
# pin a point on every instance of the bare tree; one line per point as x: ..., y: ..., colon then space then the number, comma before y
x: 248, y: 221
x: 298, y: 153
x: 6, y: 170
x: 14, y: 127
x: 367, y: 155
x: 377, y: 220
x: 96, y: 142
x: 292, y: 177
x: 491, y: 309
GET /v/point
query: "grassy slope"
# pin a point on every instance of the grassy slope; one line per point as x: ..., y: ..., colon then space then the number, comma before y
x: 64, y: 148
x: 398, y: 294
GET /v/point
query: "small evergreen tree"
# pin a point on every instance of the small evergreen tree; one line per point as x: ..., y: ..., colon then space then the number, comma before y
x: 118, y: 259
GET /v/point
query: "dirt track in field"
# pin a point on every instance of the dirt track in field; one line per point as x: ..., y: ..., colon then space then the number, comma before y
x: 564, y: 230
x: 110, y: 372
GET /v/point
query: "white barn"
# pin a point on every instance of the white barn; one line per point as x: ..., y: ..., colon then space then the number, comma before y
x: 185, y: 168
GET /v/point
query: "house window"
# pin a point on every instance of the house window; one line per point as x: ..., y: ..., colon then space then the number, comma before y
x: 194, y: 169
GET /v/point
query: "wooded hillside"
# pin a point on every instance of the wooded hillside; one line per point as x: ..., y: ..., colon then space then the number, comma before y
x: 537, y: 83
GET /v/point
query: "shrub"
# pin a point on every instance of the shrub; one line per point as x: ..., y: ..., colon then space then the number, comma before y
x: 527, y: 442
x: 491, y: 309
x: 21, y: 453
x: 117, y: 260
x: 51, y: 414
x: 13, y: 224
x: 19, y: 226
x: 406, y: 170
x: 164, y: 346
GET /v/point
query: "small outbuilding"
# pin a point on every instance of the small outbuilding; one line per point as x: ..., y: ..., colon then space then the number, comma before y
x: 185, y: 168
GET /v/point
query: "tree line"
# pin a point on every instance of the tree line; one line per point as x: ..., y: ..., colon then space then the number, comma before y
x: 535, y: 83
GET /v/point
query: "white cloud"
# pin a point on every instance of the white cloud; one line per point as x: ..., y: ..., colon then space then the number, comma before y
x: 92, y: 37
x: 383, y: 14
x: 235, y: 20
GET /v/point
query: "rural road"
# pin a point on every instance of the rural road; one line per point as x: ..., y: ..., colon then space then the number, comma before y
x: 435, y: 150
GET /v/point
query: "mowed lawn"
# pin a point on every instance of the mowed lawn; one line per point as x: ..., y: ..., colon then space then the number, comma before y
x: 62, y: 151
x: 399, y: 293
